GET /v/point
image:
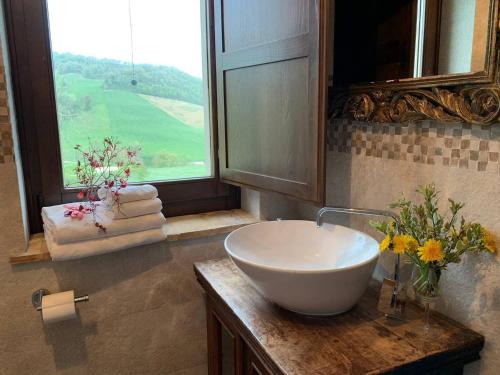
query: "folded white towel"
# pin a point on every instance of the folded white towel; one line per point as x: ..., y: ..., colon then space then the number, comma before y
x: 131, y: 193
x: 107, y: 245
x: 67, y: 230
x: 137, y: 208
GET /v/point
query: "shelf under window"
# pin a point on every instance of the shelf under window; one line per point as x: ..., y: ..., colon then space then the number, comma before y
x: 177, y: 228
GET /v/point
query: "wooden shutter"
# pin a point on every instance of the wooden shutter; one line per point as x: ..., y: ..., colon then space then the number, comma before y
x: 271, y: 95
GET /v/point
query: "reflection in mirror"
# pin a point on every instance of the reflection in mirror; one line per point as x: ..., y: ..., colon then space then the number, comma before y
x: 400, y: 39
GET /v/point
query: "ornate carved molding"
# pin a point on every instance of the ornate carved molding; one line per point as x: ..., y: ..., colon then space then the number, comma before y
x: 475, y: 104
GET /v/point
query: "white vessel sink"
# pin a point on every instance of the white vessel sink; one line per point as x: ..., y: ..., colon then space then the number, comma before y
x: 309, y: 270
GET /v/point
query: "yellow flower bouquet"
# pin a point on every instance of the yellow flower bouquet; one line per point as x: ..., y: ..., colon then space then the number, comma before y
x: 431, y: 240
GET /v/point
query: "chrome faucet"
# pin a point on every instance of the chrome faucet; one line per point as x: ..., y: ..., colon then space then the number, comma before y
x: 355, y: 211
x: 396, y: 314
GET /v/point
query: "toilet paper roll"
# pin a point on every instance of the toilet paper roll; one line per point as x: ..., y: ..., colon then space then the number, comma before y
x: 58, y: 306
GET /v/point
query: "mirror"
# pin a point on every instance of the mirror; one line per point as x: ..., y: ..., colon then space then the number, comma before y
x: 393, y: 40
x: 403, y: 60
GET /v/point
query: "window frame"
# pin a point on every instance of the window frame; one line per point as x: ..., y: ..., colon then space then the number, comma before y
x: 27, y: 27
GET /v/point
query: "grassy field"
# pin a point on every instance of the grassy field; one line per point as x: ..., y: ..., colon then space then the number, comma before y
x: 171, y: 148
x: 188, y: 113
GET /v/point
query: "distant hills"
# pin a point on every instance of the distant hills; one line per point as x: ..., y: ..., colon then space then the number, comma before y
x: 155, y: 80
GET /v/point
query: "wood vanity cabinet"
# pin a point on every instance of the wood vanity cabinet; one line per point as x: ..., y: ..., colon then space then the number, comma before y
x: 248, y: 335
x: 228, y: 353
x: 271, y: 94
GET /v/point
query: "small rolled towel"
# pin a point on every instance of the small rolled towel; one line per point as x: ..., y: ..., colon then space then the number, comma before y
x: 136, y: 208
x: 68, y: 230
x: 131, y: 193
x: 101, y: 246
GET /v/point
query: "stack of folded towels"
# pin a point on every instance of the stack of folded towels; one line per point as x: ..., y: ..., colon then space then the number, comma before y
x: 136, y: 220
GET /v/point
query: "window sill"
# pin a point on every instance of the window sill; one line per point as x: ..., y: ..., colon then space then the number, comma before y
x: 177, y: 228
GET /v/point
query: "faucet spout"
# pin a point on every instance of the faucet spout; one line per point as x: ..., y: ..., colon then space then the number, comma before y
x: 368, y: 212
x: 354, y: 211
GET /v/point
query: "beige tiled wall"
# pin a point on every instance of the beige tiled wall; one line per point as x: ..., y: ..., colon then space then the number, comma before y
x: 146, y: 313
x: 370, y: 165
x: 451, y: 145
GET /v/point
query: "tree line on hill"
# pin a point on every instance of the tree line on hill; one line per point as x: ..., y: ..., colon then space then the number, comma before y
x: 162, y: 81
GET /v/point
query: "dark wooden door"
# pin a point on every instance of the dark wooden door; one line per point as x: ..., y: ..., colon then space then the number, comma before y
x: 271, y: 94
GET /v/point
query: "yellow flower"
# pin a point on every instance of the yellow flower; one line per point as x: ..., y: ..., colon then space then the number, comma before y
x: 431, y: 251
x: 403, y: 243
x: 386, y: 242
x: 489, y: 242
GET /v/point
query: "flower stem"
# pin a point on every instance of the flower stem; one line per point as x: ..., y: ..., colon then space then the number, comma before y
x: 427, y: 316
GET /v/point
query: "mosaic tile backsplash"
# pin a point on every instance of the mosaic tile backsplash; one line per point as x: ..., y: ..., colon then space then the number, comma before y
x: 427, y: 142
x: 6, y: 145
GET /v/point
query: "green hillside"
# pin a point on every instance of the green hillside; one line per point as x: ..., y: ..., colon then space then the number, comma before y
x: 155, y: 80
x: 89, y: 109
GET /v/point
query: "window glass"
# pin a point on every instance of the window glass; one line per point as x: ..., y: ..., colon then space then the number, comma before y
x: 134, y: 70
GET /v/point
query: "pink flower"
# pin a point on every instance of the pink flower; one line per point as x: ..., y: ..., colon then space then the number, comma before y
x: 77, y: 215
x: 78, y: 211
x: 95, y: 164
x: 114, y: 164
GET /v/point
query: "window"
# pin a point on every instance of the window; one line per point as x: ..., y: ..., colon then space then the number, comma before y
x: 138, y: 70
x: 141, y: 79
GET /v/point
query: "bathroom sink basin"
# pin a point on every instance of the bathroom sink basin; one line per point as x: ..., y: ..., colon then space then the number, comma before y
x: 309, y: 270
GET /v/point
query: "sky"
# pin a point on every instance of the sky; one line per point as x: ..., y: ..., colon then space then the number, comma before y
x: 165, y: 32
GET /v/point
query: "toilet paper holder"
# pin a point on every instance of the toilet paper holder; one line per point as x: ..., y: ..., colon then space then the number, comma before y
x: 36, y: 298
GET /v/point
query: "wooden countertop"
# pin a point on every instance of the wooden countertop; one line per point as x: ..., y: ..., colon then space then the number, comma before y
x: 361, y: 341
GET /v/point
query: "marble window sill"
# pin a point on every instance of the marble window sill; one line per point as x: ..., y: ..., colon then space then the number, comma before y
x: 177, y: 228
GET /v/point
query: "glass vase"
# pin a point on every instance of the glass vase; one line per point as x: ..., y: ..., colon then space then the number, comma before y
x: 425, y: 284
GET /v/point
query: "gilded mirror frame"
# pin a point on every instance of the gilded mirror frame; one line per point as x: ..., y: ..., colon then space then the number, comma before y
x: 466, y: 97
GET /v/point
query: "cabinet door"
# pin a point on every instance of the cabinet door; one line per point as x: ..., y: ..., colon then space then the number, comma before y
x: 253, y: 365
x: 271, y: 94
